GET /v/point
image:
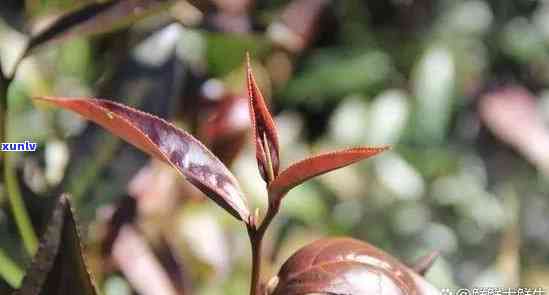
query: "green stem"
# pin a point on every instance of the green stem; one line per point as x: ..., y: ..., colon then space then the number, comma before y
x: 22, y: 219
x: 4, y: 83
x: 3, y: 102
x: 10, y: 271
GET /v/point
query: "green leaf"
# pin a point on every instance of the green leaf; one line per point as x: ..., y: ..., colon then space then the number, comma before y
x: 225, y: 52
x: 434, y: 83
x: 9, y: 270
x: 332, y: 75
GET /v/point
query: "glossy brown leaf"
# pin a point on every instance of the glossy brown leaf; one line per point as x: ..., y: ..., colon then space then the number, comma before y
x: 346, y: 266
x: 59, y: 266
x: 166, y: 142
x: 317, y: 165
x: 264, y: 130
x: 95, y: 18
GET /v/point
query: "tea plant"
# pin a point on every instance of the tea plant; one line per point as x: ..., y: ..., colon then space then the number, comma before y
x: 331, y: 266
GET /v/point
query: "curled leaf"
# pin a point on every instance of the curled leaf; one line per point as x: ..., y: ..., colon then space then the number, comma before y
x: 346, y: 266
x: 59, y: 266
x: 317, y: 165
x: 264, y: 130
x: 166, y: 142
x: 98, y: 17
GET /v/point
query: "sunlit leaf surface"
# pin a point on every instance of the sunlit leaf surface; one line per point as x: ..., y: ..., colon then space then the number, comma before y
x: 317, y: 165
x: 166, y: 142
x: 346, y: 266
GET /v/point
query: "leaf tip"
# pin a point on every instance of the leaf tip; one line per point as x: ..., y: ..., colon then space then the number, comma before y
x: 249, y: 75
x: 45, y: 99
x: 264, y: 129
x: 248, y: 59
x: 41, y: 98
x: 383, y: 148
x: 373, y: 151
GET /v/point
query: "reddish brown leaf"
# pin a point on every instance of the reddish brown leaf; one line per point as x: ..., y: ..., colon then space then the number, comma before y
x: 59, y: 266
x: 345, y: 266
x: 166, y: 142
x: 314, y: 166
x: 264, y: 130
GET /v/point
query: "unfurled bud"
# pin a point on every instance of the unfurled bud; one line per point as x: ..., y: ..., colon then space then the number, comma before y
x: 264, y: 130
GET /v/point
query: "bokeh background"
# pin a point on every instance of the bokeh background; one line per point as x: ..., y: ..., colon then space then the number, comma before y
x: 458, y: 88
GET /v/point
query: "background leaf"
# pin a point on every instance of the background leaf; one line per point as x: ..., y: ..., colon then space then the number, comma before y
x: 98, y: 17
x: 59, y: 266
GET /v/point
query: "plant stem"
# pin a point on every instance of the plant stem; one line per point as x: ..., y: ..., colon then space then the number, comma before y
x: 10, y: 271
x: 22, y: 219
x: 256, y: 241
x: 4, y: 83
x: 256, y: 235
